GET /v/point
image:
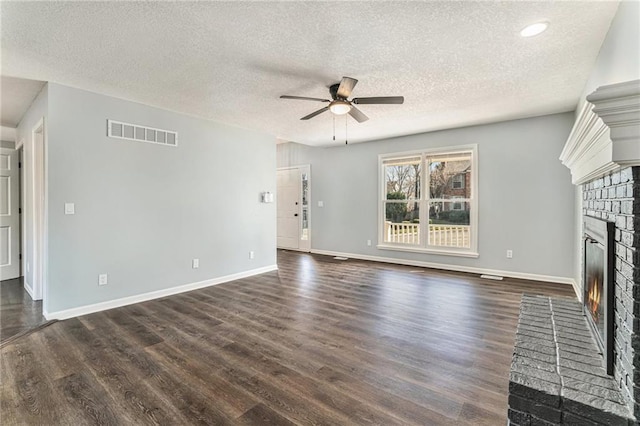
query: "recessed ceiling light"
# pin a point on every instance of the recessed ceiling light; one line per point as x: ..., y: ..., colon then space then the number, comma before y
x: 534, y: 29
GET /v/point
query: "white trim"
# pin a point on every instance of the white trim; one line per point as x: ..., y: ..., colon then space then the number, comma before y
x: 294, y: 249
x: 303, y: 245
x: 40, y: 211
x: 447, y: 267
x: 424, y: 154
x: 416, y: 249
x: 605, y: 134
x: 576, y: 289
x: 129, y: 300
x: 22, y: 158
x: 29, y: 288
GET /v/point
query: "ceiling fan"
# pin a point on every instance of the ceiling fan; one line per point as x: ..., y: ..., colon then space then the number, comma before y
x: 340, y: 104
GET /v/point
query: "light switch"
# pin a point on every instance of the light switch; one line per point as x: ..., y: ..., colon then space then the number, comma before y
x: 69, y: 208
x: 320, y: 203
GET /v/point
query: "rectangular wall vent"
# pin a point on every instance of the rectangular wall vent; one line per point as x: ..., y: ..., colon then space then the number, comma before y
x: 134, y: 132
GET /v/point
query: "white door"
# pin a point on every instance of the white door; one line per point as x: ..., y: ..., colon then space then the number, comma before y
x: 289, y: 208
x: 9, y: 214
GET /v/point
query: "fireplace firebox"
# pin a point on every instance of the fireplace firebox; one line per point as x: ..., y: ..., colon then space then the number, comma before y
x: 598, y: 284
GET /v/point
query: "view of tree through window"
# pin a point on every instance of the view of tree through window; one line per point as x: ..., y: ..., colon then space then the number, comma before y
x: 402, y: 208
x: 445, y: 207
x: 448, y: 175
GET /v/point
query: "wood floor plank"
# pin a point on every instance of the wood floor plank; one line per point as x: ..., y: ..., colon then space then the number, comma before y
x: 319, y: 341
x: 31, y: 385
x: 89, y: 400
x: 262, y: 415
x: 18, y: 312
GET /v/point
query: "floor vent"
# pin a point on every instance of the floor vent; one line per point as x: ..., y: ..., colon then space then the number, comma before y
x: 492, y: 277
x: 341, y: 258
x: 134, y: 132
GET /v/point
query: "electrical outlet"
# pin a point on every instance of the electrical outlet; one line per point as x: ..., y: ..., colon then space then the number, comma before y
x: 369, y: 242
x: 103, y: 279
x: 509, y: 254
x: 195, y: 263
x: 320, y: 203
x: 252, y: 255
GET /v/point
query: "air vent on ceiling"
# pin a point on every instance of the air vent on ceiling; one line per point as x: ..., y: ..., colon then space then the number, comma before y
x: 134, y: 132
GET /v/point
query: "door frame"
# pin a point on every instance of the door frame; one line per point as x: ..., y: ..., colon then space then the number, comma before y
x: 35, y: 166
x: 23, y: 215
x: 303, y: 245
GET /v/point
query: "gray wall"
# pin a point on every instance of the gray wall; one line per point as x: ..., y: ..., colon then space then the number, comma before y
x: 143, y: 211
x: 617, y: 62
x: 619, y: 57
x: 37, y: 111
x: 526, y: 200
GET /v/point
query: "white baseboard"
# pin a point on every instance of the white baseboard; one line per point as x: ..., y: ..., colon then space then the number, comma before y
x: 129, y: 300
x: 29, y: 288
x: 577, y: 289
x: 456, y: 268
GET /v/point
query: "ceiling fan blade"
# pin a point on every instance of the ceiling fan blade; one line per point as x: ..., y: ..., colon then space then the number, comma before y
x: 357, y: 114
x: 346, y: 86
x: 304, y: 98
x: 313, y: 114
x: 379, y: 100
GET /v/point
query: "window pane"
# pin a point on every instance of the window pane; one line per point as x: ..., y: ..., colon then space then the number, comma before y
x: 305, y: 189
x: 450, y: 176
x: 305, y: 223
x: 449, y: 224
x: 402, y: 222
x: 402, y: 178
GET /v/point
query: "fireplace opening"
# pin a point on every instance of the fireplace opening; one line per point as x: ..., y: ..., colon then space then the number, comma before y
x: 598, y: 284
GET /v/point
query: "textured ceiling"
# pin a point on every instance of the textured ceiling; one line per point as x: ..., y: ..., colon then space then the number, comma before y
x: 16, y: 94
x: 456, y: 63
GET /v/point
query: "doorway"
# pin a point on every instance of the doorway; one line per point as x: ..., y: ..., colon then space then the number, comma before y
x: 20, y: 312
x: 294, y: 213
x: 9, y: 214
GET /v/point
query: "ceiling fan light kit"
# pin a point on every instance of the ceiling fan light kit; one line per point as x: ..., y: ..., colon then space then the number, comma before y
x: 340, y: 103
x: 339, y: 107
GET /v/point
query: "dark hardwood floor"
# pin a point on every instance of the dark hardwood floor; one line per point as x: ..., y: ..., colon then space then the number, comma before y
x: 18, y: 313
x: 320, y: 341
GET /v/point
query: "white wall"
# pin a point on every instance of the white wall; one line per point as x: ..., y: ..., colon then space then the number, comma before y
x: 37, y: 111
x: 144, y: 211
x: 526, y: 199
x: 618, y: 61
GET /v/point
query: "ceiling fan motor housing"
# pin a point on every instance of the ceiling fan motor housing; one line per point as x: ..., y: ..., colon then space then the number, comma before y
x: 333, y: 89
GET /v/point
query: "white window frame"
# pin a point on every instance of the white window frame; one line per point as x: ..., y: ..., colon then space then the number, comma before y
x: 472, y: 250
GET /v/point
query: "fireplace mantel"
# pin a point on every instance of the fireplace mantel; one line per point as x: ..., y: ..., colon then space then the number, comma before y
x: 606, y: 134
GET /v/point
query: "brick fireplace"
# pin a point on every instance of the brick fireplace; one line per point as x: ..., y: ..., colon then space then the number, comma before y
x: 579, y: 362
x: 615, y: 198
x: 603, y: 153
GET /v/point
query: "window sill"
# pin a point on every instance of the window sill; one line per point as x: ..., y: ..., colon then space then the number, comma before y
x: 443, y: 252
